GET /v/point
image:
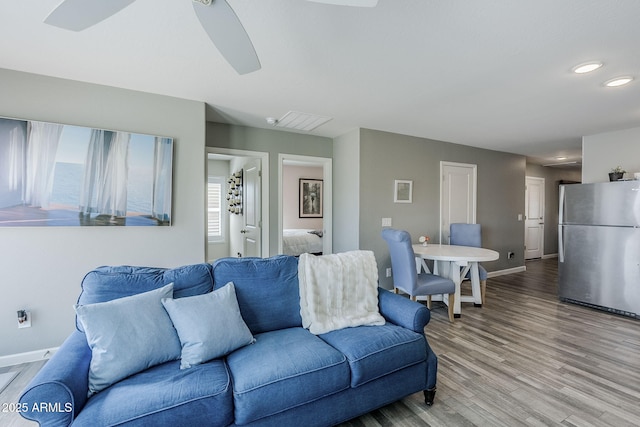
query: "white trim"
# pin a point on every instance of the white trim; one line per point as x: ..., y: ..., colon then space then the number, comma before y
x: 30, y: 356
x: 496, y: 273
x: 264, y: 160
x: 550, y: 256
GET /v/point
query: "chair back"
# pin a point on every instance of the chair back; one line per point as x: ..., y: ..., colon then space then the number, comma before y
x: 403, y: 259
x: 465, y: 234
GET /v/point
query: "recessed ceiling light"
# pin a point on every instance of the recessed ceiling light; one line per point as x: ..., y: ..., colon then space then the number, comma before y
x: 618, y: 81
x: 587, y: 67
x: 561, y: 158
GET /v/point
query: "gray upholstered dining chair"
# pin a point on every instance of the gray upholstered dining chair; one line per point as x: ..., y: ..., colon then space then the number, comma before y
x: 405, y: 271
x: 462, y: 234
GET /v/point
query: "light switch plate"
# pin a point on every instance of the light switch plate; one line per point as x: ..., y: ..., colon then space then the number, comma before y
x: 386, y: 222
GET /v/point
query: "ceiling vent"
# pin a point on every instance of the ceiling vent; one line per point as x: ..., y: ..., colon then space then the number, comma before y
x: 301, y: 121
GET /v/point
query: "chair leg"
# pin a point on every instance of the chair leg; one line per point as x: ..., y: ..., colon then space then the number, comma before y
x: 451, y: 301
x: 483, y: 290
x: 429, y: 302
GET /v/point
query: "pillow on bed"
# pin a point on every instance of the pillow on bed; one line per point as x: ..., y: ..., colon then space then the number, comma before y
x: 209, y: 325
x: 127, y: 335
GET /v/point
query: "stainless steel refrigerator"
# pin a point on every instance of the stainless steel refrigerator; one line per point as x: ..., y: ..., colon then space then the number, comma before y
x: 599, y: 246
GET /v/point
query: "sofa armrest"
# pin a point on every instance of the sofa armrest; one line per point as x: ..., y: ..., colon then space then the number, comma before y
x: 59, y: 390
x: 402, y: 311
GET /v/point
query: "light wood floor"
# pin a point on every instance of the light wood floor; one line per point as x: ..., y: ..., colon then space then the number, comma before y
x: 526, y: 359
x: 523, y: 359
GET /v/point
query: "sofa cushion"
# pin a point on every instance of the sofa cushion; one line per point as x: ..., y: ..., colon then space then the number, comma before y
x: 127, y: 335
x: 108, y: 283
x: 376, y: 351
x: 209, y: 326
x: 258, y: 280
x: 284, y: 369
x: 165, y: 395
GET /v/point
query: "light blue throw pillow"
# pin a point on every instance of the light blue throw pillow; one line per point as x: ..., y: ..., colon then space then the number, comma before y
x: 209, y: 325
x: 127, y: 336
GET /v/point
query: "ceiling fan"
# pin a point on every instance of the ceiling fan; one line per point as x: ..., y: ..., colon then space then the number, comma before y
x: 216, y: 16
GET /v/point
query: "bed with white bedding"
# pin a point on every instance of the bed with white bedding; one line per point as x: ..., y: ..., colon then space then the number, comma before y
x: 299, y: 241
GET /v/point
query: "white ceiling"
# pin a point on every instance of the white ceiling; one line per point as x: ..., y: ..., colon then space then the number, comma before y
x: 494, y: 74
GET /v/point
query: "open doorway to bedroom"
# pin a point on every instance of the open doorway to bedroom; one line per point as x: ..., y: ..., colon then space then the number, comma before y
x: 305, y: 205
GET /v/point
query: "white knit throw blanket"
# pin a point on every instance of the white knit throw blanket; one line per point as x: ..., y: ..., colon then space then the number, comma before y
x: 338, y: 291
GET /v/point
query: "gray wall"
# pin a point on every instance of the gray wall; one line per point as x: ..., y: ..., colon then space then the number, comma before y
x: 346, y: 192
x: 605, y: 151
x: 42, y: 267
x: 272, y: 142
x: 385, y: 157
x: 552, y: 178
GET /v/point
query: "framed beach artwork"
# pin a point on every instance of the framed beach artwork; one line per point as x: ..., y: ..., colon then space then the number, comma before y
x: 403, y: 191
x: 62, y: 175
x: 310, y: 198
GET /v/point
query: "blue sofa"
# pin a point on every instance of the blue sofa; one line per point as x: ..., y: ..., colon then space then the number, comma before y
x: 286, y: 377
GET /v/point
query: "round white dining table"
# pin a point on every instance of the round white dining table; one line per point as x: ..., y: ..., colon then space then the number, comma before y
x: 454, y: 262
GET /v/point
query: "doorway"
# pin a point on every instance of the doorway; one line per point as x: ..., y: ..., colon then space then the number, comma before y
x: 458, y: 187
x: 299, y: 170
x: 243, y: 213
x: 534, y: 218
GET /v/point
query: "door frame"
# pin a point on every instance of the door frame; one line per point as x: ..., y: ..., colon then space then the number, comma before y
x: 264, y: 160
x: 474, y: 169
x: 542, y: 208
x: 327, y: 202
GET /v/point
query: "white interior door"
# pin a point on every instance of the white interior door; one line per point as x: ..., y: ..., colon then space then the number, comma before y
x: 458, y: 196
x: 251, y: 230
x: 534, y: 218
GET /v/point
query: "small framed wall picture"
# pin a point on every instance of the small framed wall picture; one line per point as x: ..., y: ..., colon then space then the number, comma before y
x: 403, y: 191
x: 310, y: 198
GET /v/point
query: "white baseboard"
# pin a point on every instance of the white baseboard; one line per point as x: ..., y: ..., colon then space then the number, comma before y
x: 549, y: 256
x: 507, y: 271
x: 30, y: 356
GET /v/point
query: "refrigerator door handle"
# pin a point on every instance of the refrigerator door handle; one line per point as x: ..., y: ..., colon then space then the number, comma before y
x: 560, y: 243
x: 561, y: 211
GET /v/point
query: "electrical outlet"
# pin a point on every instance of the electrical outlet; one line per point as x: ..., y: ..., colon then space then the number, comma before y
x: 511, y: 255
x: 389, y: 272
x: 25, y: 320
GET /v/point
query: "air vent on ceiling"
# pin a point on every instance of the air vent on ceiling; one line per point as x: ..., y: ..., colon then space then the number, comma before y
x: 301, y: 121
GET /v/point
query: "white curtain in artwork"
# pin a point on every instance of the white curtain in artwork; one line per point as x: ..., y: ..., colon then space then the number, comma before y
x: 104, y: 187
x: 17, y: 145
x: 112, y: 200
x: 13, y: 146
x: 161, y: 204
x: 94, y: 169
x: 42, y: 145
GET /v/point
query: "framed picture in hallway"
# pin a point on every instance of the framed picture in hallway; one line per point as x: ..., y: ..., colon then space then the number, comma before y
x: 310, y: 198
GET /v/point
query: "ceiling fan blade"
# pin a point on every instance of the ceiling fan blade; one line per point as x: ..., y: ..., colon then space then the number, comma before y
x: 226, y: 31
x: 77, y: 15
x: 355, y: 3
